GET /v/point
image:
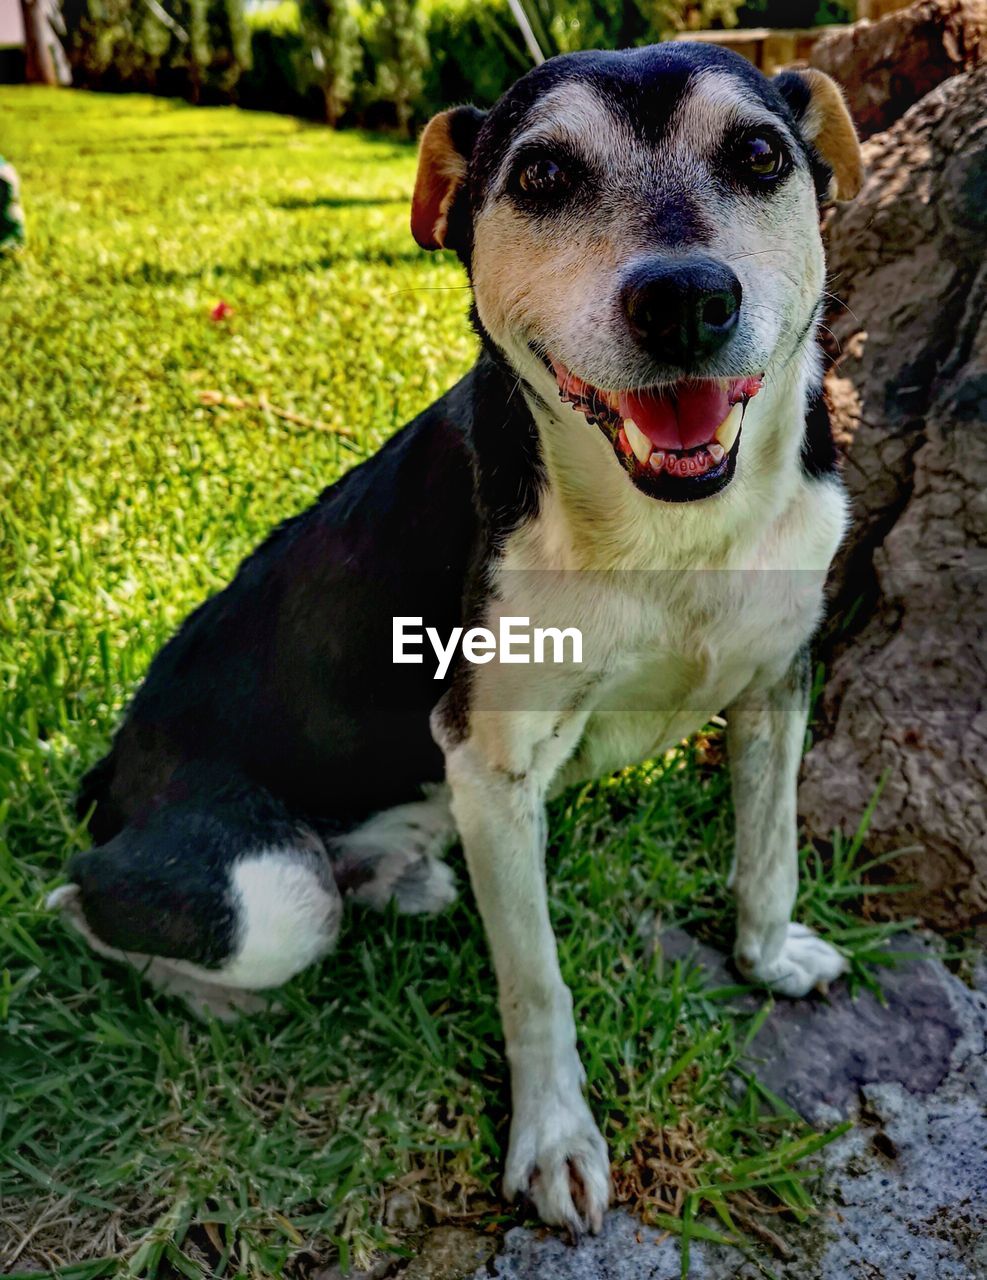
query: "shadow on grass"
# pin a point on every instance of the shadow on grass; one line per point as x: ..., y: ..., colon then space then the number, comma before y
x: 337, y: 202
x: 181, y: 142
x: 260, y: 272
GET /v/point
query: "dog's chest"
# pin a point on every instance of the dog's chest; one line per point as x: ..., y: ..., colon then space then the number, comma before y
x: 663, y: 649
x: 657, y: 678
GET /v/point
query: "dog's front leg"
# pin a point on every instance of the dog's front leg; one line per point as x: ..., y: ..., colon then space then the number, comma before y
x: 556, y: 1154
x: 765, y: 733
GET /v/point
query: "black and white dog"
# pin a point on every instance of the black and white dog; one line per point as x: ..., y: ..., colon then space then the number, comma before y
x: 640, y: 454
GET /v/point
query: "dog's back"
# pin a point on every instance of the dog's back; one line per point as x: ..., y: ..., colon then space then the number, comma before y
x: 285, y: 677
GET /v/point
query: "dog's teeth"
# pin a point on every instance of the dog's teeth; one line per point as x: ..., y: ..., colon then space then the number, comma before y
x: 716, y: 452
x: 657, y: 460
x: 726, y: 432
x: 638, y: 441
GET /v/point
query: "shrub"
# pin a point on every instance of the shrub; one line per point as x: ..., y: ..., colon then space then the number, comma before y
x: 331, y: 55
x: 113, y: 44
x: 477, y: 50
x: 193, y: 48
x: 277, y: 49
x: 398, y: 46
x: 372, y: 62
x: 794, y: 13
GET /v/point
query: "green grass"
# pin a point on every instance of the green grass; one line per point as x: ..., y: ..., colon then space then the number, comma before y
x: 134, y: 1141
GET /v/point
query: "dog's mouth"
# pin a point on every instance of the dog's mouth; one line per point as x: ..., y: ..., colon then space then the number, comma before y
x: 677, y: 442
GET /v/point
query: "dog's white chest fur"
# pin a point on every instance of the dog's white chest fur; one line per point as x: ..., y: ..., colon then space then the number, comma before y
x: 665, y: 646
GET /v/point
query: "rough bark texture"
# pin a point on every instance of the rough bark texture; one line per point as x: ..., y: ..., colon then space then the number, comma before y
x: 885, y: 67
x: 906, y: 695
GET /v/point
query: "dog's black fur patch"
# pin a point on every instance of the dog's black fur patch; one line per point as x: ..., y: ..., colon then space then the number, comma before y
x: 161, y: 885
x: 286, y: 677
x: 819, y: 457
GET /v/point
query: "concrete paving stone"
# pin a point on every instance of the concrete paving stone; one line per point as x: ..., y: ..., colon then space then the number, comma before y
x: 903, y: 1195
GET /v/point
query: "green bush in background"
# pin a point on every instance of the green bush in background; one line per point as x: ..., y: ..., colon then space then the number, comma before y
x: 398, y: 46
x: 330, y: 37
x: 476, y: 52
x: 377, y: 63
x: 274, y: 81
x: 196, y: 49
x: 795, y: 13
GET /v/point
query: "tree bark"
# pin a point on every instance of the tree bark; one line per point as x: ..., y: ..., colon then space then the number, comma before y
x: 906, y: 699
x: 886, y: 67
x: 40, y: 65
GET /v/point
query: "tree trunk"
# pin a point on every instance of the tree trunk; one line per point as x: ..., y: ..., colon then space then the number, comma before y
x: 403, y: 110
x: 886, y: 67
x: 40, y: 65
x: 906, y: 699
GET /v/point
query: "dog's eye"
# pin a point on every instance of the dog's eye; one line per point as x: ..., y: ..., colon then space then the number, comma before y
x: 762, y: 158
x: 541, y: 178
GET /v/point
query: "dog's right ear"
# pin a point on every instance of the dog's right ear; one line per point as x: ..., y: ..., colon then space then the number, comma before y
x: 443, y: 162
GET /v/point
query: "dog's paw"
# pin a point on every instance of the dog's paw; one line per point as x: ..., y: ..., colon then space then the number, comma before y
x: 416, y: 883
x: 805, y: 961
x: 558, y: 1159
x: 425, y: 886
x: 395, y: 857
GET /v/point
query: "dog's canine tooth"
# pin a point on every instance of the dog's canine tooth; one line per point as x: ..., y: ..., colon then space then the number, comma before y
x: 638, y: 441
x: 726, y: 432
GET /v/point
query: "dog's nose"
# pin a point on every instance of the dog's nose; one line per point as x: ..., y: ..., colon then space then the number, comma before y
x: 682, y: 312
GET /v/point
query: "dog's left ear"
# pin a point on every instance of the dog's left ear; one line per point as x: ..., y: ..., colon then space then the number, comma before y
x: 820, y: 109
x: 443, y: 163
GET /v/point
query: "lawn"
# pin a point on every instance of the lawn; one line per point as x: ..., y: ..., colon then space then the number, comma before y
x: 148, y: 442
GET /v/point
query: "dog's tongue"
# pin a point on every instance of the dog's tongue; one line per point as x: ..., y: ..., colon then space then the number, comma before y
x: 680, y: 418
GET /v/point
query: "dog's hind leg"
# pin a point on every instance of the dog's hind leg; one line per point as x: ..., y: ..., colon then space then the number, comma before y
x: 395, y: 856
x: 173, y: 977
x: 765, y: 733
x: 214, y: 898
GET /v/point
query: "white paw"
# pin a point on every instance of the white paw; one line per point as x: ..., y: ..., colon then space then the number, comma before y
x: 395, y: 857
x: 804, y: 961
x: 558, y: 1159
x: 425, y: 887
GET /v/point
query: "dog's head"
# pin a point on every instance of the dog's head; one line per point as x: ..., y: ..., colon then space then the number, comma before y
x: 642, y: 233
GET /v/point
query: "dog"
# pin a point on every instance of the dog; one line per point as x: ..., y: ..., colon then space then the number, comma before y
x: 641, y: 453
